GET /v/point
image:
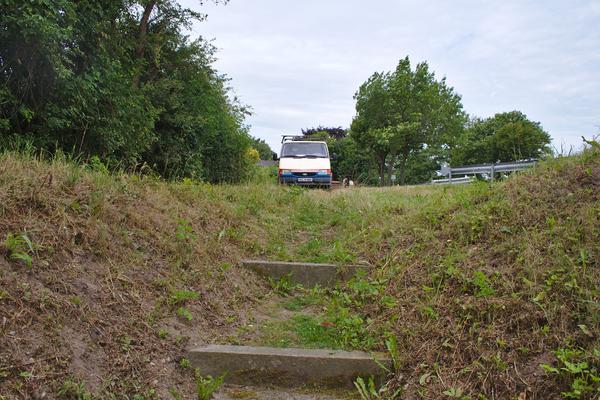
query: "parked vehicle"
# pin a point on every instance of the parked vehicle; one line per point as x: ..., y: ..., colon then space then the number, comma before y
x: 304, y: 162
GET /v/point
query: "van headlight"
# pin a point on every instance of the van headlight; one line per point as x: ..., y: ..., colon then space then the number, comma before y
x: 285, y: 171
x: 325, y: 171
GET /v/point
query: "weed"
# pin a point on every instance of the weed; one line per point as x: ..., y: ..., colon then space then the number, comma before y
x: 163, y: 333
x: 175, y: 394
x: 225, y: 266
x: 206, y: 386
x: 351, y: 330
x: 20, y: 248
x: 391, y: 345
x: 126, y: 342
x: 179, y: 297
x: 185, y: 232
x: 579, y: 372
x: 351, y: 327
x: 75, y: 300
x: 429, y: 311
x: 185, y: 363
x: 184, y: 241
x: 25, y: 374
x: 96, y: 165
x: 498, y: 362
x: 313, y: 333
x: 184, y: 313
x: 369, y: 391
x: 73, y: 390
x: 455, y: 393
x: 282, y: 286
x: 482, y: 284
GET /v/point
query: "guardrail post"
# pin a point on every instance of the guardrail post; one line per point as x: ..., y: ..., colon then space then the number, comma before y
x: 492, y: 169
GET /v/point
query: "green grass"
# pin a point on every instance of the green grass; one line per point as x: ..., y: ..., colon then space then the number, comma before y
x: 478, y: 284
x: 20, y: 248
x: 320, y: 318
x: 301, y: 330
x: 307, y: 298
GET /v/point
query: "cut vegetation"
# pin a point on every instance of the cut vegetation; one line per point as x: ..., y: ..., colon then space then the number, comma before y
x: 478, y: 292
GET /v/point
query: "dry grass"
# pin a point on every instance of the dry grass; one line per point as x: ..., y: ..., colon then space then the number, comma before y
x: 480, y: 285
x: 111, y: 252
x: 493, y: 281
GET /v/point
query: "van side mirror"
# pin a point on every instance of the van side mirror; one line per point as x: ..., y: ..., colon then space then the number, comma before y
x: 275, y: 158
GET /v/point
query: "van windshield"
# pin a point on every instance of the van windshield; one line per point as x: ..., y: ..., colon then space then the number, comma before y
x: 299, y: 150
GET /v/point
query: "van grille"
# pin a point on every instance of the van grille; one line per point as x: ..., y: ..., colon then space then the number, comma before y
x: 301, y: 174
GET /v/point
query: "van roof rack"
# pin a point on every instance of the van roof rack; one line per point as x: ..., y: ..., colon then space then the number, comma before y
x: 291, y: 138
x: 299, y: 138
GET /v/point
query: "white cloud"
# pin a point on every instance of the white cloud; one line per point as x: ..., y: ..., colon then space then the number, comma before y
x: 298, y: 63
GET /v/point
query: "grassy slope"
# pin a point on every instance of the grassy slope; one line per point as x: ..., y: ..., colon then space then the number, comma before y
x: 117, y: 257
x: 478, y: 284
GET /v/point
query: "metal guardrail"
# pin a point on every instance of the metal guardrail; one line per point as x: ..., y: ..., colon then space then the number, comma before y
x: 481, y: 169
x: 455, y: 181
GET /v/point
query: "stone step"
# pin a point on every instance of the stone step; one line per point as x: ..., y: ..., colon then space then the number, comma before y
x: 307, y: 274
x: 248, y: 365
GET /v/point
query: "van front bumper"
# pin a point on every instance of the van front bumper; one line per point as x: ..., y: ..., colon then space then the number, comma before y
x: 315, y: 180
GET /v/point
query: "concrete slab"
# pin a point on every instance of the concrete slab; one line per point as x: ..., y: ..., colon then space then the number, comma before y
x: 271, y: 392
x: 248, y: 365
x: 307, y: 274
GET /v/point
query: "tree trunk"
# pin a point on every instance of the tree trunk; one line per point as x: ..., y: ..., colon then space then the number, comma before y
x: 140, y: 47
x: 382, y: 170
x: 391, y: 168
x: 403, y: 170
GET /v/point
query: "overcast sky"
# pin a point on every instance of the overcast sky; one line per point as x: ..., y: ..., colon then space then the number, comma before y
x: 299, y: 63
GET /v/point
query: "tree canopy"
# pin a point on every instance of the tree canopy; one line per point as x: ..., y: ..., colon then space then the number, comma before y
x: 506, y: 136
x: 403, y: 112
x: 119, y: 79
x: 330, y: 132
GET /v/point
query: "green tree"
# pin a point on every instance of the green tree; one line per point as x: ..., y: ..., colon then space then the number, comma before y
x: 402, y: 112
x: 119, y: 79
x: 422, y: 165
x: 508, y: 136
x: 372, y: 117
x: 352, y: 161
x: 264, y: 150
x: 326, y: 131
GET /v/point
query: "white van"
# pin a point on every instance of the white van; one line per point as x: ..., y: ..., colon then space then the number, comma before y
x: 304, y: 162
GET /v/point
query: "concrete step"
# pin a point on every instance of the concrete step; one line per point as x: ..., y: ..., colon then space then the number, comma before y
x: 307, y: 274
x: 248, y: 365
x: 273, y: 392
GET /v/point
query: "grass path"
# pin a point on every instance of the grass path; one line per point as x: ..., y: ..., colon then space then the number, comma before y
x: 294, y: 317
